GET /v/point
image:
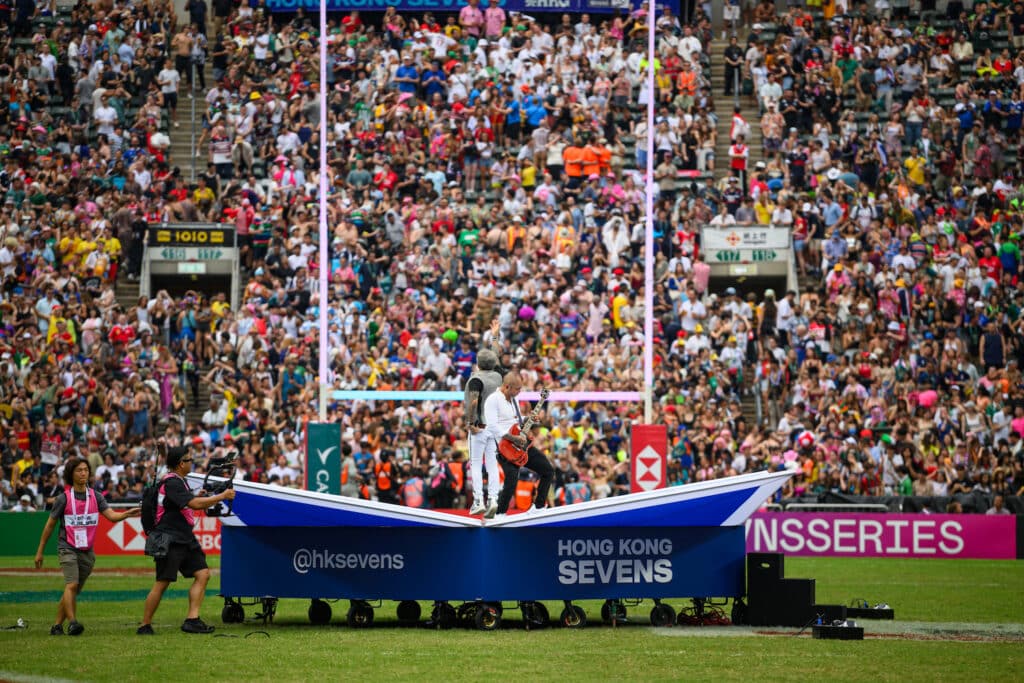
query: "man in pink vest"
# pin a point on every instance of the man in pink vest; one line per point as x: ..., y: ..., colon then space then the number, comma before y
x: 76, y: 512
x: 175, y: 519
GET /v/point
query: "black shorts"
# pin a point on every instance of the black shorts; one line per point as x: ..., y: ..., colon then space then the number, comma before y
x: 181, y: 557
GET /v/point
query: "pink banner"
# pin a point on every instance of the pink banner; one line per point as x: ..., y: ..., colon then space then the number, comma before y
x: 838, y: 534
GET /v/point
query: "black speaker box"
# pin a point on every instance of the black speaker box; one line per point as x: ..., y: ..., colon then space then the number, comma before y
x: 764, y: 569
x: 838, y: 632
x: 782, y: 592
x: 781, y: 614
x: 870, y: 613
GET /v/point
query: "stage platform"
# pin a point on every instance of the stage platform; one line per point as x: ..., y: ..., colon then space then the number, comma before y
x: 685, y: 541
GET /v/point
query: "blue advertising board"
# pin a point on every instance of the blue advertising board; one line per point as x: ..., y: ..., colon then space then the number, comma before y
x: 524, y: 6
x: 539, y: 563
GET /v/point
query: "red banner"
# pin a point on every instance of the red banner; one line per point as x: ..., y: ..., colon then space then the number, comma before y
x: 126, y: 537
x: 649, y: 454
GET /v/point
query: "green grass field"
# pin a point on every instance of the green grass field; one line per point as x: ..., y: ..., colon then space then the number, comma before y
x: 954, y: 597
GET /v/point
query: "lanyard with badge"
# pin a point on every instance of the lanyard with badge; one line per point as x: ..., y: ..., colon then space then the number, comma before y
x: 81, y: 538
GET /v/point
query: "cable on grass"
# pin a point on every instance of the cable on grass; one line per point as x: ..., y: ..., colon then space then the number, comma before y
x: 816, y: 618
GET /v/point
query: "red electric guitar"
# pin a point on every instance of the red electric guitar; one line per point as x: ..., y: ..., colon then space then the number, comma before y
x: 511, y: 452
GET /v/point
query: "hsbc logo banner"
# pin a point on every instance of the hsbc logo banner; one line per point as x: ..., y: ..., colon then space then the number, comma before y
x: 649, y: 453
x: 126, y: 537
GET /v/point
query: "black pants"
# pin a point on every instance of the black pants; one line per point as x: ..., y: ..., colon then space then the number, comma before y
x: 183, y: 65
x: 731, y: 80
x: 538, y: 463
x: 200, y: 74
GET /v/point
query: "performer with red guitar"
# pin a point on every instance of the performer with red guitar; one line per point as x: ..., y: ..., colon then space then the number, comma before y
x: 505, y: 422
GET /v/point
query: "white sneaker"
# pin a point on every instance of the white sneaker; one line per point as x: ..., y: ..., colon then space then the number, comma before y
x: 478, y: 507
x: 491, y: 509
x: 501, y: 517
x: 530, y: 510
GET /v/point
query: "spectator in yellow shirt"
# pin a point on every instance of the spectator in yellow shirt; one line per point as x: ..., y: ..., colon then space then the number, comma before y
x: 25, y: 462
x: 763, y: 209
x: 618, y: 302
x: 112, y: 248
x: 219, y: 307
x: 916, y: 165
x: 203, y: 197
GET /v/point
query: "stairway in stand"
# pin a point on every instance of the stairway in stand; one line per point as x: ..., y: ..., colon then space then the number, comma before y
x: 724, y: 108
x: 182, y: 153
x: 126, y: 292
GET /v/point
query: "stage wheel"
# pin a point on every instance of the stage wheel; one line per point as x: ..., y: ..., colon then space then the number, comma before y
x: 360, y: 614
x: 574, y: 617
x: 446, y: 617
x: 319, y: 612
x: 535, y: 614
x: 663, y: 615
x: 233, y: 613
x: 408, y: 611
x: 488, y: 617
x: 608, y: 606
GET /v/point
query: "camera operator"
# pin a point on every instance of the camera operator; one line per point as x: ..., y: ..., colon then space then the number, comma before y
x: 175, y: 515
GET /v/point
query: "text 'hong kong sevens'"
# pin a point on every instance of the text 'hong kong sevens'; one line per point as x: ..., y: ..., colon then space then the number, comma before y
x: 615, y: 561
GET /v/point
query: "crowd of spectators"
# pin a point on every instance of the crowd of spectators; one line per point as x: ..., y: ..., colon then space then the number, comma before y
x: 490, y: 164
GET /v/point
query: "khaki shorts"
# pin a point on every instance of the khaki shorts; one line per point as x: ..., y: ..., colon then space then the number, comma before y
x: 76, y: 564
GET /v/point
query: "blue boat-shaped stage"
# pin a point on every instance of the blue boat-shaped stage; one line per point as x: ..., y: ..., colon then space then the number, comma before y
x: 685, y: 541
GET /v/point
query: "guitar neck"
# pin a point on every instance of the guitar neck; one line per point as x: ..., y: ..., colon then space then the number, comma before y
x: 531, y: 419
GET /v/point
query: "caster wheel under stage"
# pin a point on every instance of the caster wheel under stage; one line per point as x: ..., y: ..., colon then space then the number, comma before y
x: 535, y: 615
x: 488, y: 617
x: 408, y: 612
x: 360, y: 614
x: 443, y: 616
x: 663, y: 615
x: 319, y: 612
x: 573, y: 616
x: 232, y: 613
x: 613, y: 608
x: 465, y: 614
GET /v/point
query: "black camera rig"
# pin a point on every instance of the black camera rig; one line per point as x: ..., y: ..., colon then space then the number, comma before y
x: 223, y: 468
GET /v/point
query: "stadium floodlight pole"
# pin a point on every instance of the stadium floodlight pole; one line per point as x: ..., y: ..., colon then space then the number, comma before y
x: 649, y: 225
x: 324, y: 255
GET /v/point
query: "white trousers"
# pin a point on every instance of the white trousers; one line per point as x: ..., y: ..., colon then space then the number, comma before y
x: 483, y: 449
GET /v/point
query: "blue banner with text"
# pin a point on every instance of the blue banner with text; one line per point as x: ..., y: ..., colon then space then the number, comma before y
x: 398, y: 563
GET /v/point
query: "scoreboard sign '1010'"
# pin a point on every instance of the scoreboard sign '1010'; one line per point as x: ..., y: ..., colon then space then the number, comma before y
x: 166, y: 236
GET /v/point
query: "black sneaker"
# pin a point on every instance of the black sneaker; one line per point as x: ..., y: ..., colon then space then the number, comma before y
x: 196, y: 626
x: 145, y: 630
x: 57, y: 630
x: 75, y: 629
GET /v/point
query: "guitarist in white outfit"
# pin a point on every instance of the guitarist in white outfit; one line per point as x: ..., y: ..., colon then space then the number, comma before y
x: 501, y: 413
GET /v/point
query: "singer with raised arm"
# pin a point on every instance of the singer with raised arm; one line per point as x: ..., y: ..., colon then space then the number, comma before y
x: 483, y: 446
x: 505, y: 422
